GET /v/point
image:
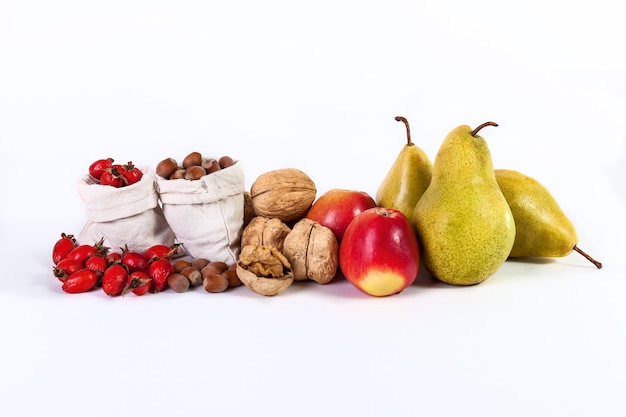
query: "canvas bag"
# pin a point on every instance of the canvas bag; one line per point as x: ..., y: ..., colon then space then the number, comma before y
x: 127, y: 216
x: 206, y: 214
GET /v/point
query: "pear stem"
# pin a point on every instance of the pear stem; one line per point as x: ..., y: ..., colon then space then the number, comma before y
x: 408, y: 130
x: 589, y: 258
x: 475, y: 131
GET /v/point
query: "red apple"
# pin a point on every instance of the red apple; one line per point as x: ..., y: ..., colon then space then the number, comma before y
x: 336, y: 208
x: 380, y: 253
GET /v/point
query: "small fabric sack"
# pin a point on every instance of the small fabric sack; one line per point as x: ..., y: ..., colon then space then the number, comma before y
x: 206, y: 214
x: 126, y: 216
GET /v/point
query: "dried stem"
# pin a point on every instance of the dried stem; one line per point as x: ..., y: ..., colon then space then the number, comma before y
x: 475, y: 131
x: 589, y: 258
x: 408, y: 130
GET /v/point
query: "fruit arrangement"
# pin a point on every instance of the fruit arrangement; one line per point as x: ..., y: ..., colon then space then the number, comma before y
x: 456, y: 216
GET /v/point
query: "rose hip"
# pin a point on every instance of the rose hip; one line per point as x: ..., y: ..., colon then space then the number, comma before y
x: 96, y: 263
x: 138, y: 283
x: 130, y: 173
x: 113, y: 177
x: 115, y: 279
x: 159, y: 270
x: 135, y: 261
x: 65, y: 268
x: 62, y: 247
x: 83, y: 252
x: 98, y: 167
x: 114, y: 257
x: 160, y: 251
x: 82, y: 280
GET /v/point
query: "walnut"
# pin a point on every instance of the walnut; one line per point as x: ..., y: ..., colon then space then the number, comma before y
x: 312, y: 251
x: 265, y: 231
x: 248, y: 210
x: 264, y: 269
x: 286, y: 194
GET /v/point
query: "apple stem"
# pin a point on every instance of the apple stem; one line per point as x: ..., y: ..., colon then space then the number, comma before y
x: 408, y: 130
x: 589, y: 258
x: 475, y: 131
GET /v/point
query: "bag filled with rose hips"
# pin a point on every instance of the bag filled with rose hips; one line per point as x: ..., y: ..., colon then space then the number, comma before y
x: 206, y: 212
x: 124, y: 215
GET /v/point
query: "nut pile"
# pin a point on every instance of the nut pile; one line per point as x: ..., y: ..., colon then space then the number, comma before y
x: 273, y: 254
x: 214, y: 276
x: 193, y: 167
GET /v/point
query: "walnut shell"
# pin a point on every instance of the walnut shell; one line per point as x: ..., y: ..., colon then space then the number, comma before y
x: 265, y: 231
x: 313, y: 251
x: 248, y: 210
x: 285, y: 194
x: 264, y: 270
x: 263, y: 285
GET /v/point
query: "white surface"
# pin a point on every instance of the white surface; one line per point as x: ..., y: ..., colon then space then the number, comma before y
x: 314, y: 86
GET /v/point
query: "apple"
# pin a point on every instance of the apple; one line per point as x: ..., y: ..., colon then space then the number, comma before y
x: 336, y: 208
x: 380, y: 253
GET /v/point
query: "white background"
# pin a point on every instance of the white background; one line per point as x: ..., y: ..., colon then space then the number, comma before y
x: 316, y: 86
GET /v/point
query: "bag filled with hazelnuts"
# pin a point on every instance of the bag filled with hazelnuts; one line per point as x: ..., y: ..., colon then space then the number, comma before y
x: 123, y: 214
x: 203, y: 202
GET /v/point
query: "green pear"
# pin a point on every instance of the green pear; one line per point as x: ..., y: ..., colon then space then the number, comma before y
x: 542, y: 228
x: 407, y: 178
x: 465, y: 226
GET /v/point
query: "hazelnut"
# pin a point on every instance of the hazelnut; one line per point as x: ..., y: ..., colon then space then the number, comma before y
x: 210, y: 165
x: 178, y: 282
x: 285, y: 194
x: 215, y: 283
x: 312, y: 251
x: 166, y: 167
x: 194, y: 158
x: 232, y: 277
x: 194, y: 172
x: 221, y: 266
x: 179, y: 174
x: 181, y: 264
x: 199, y: 263
x: 210, y: 270
x: 193, y: 275
x: 226, y: 161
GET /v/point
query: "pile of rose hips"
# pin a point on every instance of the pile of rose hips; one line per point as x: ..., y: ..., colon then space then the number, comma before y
x: 82, y: 268
x: 105, y: 172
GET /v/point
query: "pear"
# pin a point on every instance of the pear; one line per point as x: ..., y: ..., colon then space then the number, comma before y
x: 465, y: 226
x: 407, y: 178
x: 542, y: 228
